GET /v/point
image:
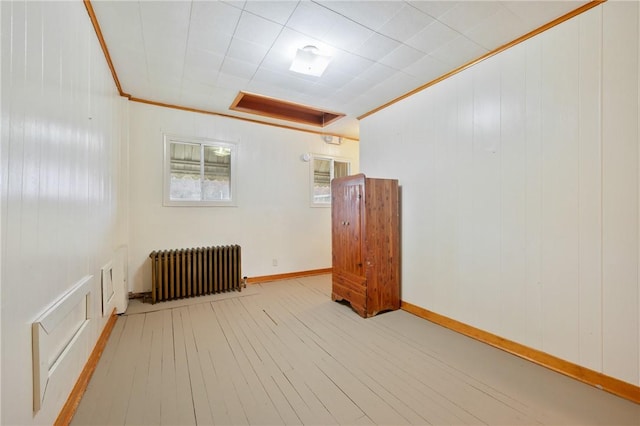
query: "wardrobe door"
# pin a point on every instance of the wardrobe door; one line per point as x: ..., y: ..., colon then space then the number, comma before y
x: 347, y: 232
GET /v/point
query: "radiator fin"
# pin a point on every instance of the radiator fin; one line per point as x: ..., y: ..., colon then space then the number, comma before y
x: 193, y: 272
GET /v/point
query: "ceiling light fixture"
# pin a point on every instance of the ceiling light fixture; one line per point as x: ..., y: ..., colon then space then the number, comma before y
x: 310, y: 61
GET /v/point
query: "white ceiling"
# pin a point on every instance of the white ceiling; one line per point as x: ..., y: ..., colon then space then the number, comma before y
x: 200, y: 54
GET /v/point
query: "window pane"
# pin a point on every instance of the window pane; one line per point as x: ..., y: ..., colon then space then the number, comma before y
x: 321, y: 180
x: 185, y: 172
x: 217, y: 173
x: 340, y: 169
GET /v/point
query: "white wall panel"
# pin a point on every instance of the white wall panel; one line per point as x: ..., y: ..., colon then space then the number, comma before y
x: 620, y: 190
x: 520, y: 214
x: 532, y: 333
x: 464, y: 299
x: 560, y: 185
x: 273, y: 219
x: 513, y: 174
x: 485, y: 238
x: 590, y: 192
x: 60, y: 158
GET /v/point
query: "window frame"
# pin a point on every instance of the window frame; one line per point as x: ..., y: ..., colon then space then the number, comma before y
x: 333, y: 159
x: 233, y: 171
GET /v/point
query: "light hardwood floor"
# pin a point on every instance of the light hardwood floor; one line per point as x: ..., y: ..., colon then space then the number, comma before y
x: 284, y: 353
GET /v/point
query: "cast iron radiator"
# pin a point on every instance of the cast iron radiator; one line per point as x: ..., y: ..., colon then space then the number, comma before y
x: 194, y: 272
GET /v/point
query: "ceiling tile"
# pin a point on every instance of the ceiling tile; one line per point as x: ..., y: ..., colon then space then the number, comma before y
x: 164, y: 68
x: 211, y: 41
x: 346, y: 34
x: 202, y: 66
x: 164, y: 93
x: 371, y: 14
x: 432, y: 37
x: 401, y: 57
x: 498, y: 29
x: 316, y: 91
x: 535, y: 15
x: 405, y: 24
x: 377, y: 46
x: 377, y: 72
x: 131, y: 61
x: 198, y: 100
x: 203, y: 59
x: 246, y: 51
x: 349, y: 63
x: 165, y: 28
x: 458, y: 52
x: 397, y: 83
x: 120, y: 22
x: 427, y: 68
x: 212, y: 25
x: 191, y: 87
x: 232, y: 82
x: 172, y: 17
x: 214, y: 16
x: 276, y: 11
x: 336, y: 79
x: 467, y: 14
x: 311, y: 19
x: 132, y: 79
x: 257, y: 30
x: 355, y: 87
x: 200, y: 75
x: 434, y: 8
x: 270, y: 78
x: 237, y: 67
x: 276, y: 61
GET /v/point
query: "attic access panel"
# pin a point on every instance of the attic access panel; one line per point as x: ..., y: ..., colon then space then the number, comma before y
x: 276, y: 108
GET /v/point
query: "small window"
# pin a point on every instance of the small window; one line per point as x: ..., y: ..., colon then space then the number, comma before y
x: 199, y: 172
x: 323, y: 170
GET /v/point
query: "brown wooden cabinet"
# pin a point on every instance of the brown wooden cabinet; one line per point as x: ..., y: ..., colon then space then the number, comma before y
x: 365, y: 243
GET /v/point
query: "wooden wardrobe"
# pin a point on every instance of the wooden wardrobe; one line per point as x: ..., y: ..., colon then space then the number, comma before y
x: 365, y: 239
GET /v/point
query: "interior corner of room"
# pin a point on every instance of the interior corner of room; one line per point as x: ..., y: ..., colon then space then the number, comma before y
x: 518, y: 169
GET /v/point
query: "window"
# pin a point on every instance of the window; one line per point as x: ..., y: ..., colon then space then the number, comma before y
x: 199, y: 172
x: 323, y: 169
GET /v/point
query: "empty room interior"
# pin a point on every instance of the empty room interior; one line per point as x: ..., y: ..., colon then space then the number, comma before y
x: 320, y: 212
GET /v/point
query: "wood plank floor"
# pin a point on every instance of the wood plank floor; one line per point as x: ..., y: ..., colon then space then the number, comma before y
x: 284, y: 353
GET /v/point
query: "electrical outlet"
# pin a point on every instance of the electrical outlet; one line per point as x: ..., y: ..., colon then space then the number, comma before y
x: 274, y: 262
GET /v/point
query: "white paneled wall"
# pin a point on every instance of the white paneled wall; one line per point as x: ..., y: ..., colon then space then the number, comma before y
x: 273, y: 219
x: 520, y: 182
x: 62, y: 170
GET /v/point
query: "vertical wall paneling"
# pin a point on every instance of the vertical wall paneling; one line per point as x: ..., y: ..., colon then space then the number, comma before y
x: 560, y: 190
x: 444, y: 225
x: 59, y: 151
x: 590, y: 190
x: 620, y: 190
x: 487, y: 151
x: 464, y: 156
x: 540, y: 242
x: 512, y: 291
x: 3, y: 125
x: 532, y: 333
